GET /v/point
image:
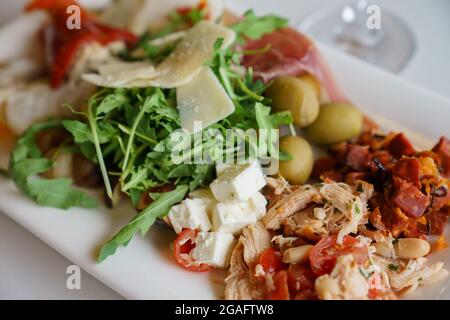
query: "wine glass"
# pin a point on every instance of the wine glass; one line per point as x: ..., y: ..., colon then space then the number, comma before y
x: 367, y: 31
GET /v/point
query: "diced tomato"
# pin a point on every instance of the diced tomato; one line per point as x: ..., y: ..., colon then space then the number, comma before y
x: 66, y: 43
x: 400, y: 146
x: 271, y: 261
x: 358, y: 157
x: 280, y: 282
x: 408, y: 169
x: 301, y: 277
x: 305, y: 295
x: 325, y: 253
x: 182, y: 247
x: 409, y: 198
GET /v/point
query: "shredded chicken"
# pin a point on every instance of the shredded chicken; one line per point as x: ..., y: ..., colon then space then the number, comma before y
x: 255, y: 239
x: 345, y: 282
x: 239, y: 285
x: 414, y: 274
x: 289, y: 205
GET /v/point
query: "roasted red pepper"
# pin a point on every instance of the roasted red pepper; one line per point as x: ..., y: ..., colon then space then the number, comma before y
x: 66, y: 43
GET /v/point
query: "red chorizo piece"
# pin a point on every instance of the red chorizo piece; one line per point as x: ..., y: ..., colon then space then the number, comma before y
x: 358, y: 157
x: 409, y: 198
x: 352, y: 177
x: 323, y: 165
x: 438, y: 220
x: 400, y: 146
x: 408, y: 169
x: 443, y: 150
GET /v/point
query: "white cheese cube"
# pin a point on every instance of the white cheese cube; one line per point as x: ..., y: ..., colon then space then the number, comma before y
x: 258, y: 204
x: 190, y: 214
x: 232, y: 217
x: 238, y: 183
x: 205, y: 195
x: 221, y: 168
x: 213, y: 248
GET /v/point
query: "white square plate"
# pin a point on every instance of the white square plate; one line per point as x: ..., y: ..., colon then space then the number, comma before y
x: 146, y: 270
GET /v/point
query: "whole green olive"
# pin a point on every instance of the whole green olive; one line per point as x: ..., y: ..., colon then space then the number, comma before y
x: 297, y: 95
x: 297, y: 170
x: 337, y: 122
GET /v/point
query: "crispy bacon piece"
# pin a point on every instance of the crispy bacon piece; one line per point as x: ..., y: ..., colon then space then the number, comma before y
x: 443, y: 150
x: 409, y: 198
x: 400, y: 146
x: 358, y: 157
x: 408, y: 169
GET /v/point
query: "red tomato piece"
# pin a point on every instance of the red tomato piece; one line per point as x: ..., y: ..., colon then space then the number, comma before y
x: 325, y: 253
x: 301, y: 277
x: 182, y: 246
x: 271, y: 261
x: 280, y: 282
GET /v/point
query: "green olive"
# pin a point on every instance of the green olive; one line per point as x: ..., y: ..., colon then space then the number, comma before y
x: 297, y: 170
x: 297, y: 95
x: 337, y: 122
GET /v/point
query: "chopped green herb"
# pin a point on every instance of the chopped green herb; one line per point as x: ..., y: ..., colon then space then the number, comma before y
x: 393, y: 267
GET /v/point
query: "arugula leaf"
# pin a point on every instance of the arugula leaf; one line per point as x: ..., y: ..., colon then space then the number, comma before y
x: 144, y: 220
x: 27, y: 161
x: 254, y: 27
x: 79, y: 130
x: 58, y: 193
x: 269, y: 122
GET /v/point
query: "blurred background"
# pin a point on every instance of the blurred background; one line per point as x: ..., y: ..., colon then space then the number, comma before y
x: 413, y: 43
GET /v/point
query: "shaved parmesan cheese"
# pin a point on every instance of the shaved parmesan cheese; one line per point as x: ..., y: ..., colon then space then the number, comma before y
x: 193, y: 51
x: 203, y: 99
x: 140, y: 16
x: 180, y: 68
x: 119, y: 74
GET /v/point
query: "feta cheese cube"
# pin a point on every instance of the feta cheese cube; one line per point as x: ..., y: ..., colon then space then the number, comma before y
x: 190, y: 214
x: 232, y: 217
x: 205, y: 195
x: 221, y: 168
x: 258, y: 204
x: 238, y: 183
x: 213, y: 248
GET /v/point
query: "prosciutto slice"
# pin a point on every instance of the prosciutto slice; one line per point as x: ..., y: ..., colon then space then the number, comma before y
x: 291, y: 53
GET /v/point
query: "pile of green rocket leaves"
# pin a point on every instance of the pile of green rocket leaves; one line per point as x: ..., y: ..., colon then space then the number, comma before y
x: 127, y: 132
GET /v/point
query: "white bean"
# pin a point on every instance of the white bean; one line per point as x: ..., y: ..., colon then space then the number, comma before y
x: 297, y: 254
x: 411, y: 248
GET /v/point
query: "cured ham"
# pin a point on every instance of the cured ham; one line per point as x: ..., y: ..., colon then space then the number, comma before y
x: 291, y: 53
